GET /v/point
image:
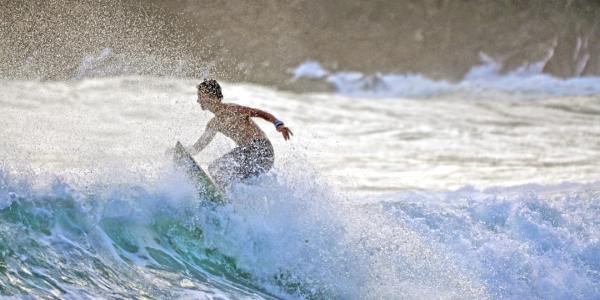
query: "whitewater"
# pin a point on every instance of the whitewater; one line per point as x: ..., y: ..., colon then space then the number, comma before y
x: 472, y: 190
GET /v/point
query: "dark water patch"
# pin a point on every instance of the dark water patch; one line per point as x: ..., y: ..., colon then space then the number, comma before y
x: 509, y: 124
x: 21, y: 105
x: 574, y: 109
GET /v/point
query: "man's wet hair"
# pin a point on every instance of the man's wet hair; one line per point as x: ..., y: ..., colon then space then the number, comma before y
x: 211, y: 87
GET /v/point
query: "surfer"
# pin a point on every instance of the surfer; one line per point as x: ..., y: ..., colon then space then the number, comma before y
x: 254, y: 152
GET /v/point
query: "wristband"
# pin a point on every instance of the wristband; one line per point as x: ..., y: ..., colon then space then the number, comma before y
x: 277, y: 123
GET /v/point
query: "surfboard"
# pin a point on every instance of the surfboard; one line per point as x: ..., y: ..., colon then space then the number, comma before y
x: 205, y: 186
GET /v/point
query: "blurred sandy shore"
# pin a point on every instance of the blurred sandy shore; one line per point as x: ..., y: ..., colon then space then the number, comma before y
x: 261, y: 41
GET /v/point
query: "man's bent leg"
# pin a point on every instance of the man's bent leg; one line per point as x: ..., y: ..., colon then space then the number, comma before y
x: 260, y: 160
x: 227, y: 168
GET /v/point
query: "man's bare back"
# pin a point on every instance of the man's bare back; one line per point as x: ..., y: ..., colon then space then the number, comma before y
x: 236, y: 126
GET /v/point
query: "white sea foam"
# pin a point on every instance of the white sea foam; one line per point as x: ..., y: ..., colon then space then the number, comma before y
x: 524, y: 242
x: 293, y: 228
x: 483, y: 79
x: 504, y: 243
x: 105, y: 139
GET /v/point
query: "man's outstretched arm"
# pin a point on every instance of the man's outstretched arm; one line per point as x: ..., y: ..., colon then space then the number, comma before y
x: 254, y: 112
x: 205, y: 138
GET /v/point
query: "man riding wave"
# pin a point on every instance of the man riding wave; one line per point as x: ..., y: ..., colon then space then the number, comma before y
x: 254, y: 153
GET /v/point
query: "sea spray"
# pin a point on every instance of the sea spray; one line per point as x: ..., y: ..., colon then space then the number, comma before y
x: 315, y: 243
x: 291, y: 237
x: 523, y: 242
x: 116, y: 241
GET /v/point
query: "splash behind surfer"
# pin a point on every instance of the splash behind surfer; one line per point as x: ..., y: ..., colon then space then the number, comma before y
x: 254, y: 152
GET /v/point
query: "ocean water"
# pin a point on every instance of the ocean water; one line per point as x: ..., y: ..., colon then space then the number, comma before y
x: 471, y: 190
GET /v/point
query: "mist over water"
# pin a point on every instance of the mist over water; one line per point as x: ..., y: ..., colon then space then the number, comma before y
x: 442, y: 149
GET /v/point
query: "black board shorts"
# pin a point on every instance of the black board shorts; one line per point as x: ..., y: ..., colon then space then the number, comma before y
x: 243, y: 162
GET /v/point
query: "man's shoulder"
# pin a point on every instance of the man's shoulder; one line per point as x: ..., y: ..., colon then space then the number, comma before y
x: 212, y: 123
x: 239, y: 109
x: 226, y: 116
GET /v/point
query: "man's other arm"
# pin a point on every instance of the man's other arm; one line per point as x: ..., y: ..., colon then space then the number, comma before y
x: 205, y: 138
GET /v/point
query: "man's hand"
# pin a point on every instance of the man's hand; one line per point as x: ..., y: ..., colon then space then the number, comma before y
x: 286, y: 132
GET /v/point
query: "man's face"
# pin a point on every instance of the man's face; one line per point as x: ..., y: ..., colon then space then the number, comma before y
x: 205, y: 101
